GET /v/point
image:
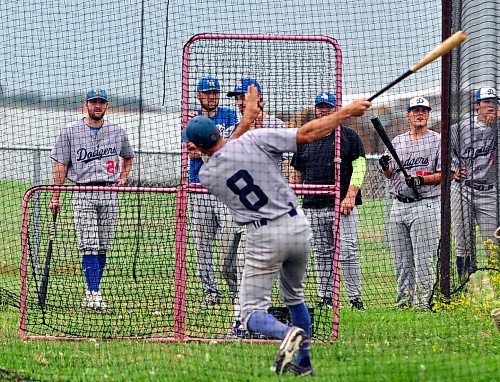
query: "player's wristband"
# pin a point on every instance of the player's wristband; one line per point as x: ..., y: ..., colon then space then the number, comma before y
x: 358, y: 172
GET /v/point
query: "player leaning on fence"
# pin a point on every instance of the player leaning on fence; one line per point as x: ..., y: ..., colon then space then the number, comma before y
x: 474, y: 193
x: 88, y: 152
x: 415, y: 213
x: 244, y: 174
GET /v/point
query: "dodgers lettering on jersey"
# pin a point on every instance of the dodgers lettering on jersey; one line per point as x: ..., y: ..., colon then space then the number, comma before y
x: 92, y: 157
x: 419, y: 157
x: 244, y: 174
x: 474, y: 147
x: 223, y: 118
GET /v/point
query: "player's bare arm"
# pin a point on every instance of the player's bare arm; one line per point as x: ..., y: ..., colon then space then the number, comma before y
x: 318, y: 128
x: 60, y: 171
x: 349, y: 202
x: 253, y: 110
x: 126, y: 168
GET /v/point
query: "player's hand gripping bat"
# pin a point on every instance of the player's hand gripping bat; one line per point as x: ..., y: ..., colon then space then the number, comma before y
x: 42, y: 292
x: 440, y: 50
x: 387, y: 142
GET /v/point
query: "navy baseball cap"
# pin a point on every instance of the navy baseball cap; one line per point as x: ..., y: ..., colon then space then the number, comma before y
x: 201, y: 131
x: 95, y: 93
x: 208, y: 84
x: 486, y: 93
x: 418, y: 102
x: 326, y: 98
x: 242, y: 87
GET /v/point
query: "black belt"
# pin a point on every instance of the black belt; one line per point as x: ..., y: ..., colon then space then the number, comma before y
x: 262, y: 222
x: 407, y: 199
x: 96, y: 184
x: 479, y: 187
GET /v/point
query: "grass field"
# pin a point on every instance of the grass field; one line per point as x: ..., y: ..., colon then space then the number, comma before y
x: 375, y: 345
x: 380, y: 344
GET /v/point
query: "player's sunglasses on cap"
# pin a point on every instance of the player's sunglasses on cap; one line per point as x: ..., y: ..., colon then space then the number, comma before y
x: 242, y: 87
x: 96, y: 94
x: 486, y: 93
x: 208, y: 84
x: 326, y: 98
x: 201, y: 131
x: 418, y: 102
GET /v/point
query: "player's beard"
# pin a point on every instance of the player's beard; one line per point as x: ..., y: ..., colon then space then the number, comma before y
x: 209, y: 108
x: 94, y: 117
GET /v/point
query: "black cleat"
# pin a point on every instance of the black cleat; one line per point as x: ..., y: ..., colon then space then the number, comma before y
x: 288, y: 348
x: 326, y: 302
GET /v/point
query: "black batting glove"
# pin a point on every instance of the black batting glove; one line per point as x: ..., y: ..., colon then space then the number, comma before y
x: 384, y: 162
x: 414, y: 181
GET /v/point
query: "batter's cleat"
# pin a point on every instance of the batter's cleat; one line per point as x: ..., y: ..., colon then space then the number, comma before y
x: 300, y: 371
x: 357, y: 304
x: 326, y: 302
x: 287, y: 349
x: 211, y: 300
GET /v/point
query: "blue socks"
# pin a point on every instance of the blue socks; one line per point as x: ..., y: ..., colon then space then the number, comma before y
x: 90, y: 265
x: 101, y: 259
x: 267, y: 324
x: 300, y: 317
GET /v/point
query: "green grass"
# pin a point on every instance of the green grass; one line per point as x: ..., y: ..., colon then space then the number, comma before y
x: 376, y: 345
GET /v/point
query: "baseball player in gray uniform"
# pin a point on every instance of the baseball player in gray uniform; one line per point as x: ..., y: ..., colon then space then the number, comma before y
x: 415, y: 214
x: 87, y: 152
x: 474, y: 193
x: 244, y: 174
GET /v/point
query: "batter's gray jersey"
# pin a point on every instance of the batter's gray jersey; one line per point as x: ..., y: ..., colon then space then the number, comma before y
x: 420, y: 157
x: 253, y: 187
x: 474, y: 147
x: 92, y: 157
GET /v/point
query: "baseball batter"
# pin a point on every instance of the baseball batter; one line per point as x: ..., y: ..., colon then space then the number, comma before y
x: 88, y: 152
x: 415, y: 214
x: 244, y: 174
x: 474, y: 195
x: 208, y: 216
x: 314, y: 164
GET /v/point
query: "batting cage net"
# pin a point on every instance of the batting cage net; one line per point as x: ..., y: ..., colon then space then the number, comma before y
x: 110, y: 233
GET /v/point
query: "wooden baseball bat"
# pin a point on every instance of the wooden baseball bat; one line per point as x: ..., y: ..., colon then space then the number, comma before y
x: 42, y: 292
x: 387, y: 142
x: 446, y: 46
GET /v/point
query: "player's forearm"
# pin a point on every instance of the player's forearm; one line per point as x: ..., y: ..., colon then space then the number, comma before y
x: 126, y: 168
x: 321, y: 127
x: 60, y: 171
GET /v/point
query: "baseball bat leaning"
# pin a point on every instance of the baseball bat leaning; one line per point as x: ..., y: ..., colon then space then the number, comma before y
x: 387, y: 142
x: 42, y: 293
x: 447, y: 45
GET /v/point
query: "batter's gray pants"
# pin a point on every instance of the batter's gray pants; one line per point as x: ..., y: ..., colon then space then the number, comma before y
x: 280, y: 247
x: 95, y: 214
x: 468, y: 207
x: 322, y: 220
x: 208, y: 218
x: 414, y: 237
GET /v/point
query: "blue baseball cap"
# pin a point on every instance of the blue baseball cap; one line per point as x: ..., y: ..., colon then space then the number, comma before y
x: 486, y: 93
x: 208, y: 84
x: 95, y: 93
x: 201, y: 131
x: 326, y: 98
x: 242, y: 87
x: 418, y: 102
